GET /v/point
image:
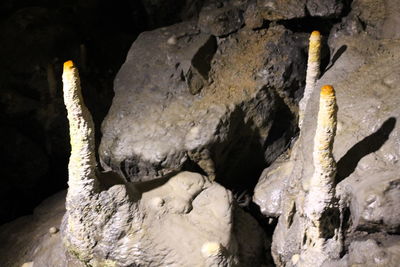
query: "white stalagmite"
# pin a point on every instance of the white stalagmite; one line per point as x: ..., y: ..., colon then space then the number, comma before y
x: 82, y: 162
x: 321, y: 184
x: 314, y: 54
x: 82, y: 181
x: 320, y: 197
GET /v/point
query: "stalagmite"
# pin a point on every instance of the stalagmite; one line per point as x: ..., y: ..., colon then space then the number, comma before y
x: 82, y: 181
x: 123, y: 224
x: 320, y: 198
x: 313, y: 72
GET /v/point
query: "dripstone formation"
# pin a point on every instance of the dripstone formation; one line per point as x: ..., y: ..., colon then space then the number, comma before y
x: 223, y: 146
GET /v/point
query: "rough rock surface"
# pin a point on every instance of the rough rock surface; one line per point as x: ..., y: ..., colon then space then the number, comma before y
x: 154, y: 237
x: 221, y: 21
x: 268, y: 192
x: 378, y: 19
x: 157, y: 126
x: 325, y: 8
x: 366, y: 149
x: 371, y: 250
x: 282, y: 9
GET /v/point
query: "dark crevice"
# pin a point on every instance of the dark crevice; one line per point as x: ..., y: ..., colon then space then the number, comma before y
x: 309, y: 24
x: 321, y: 24
x: 239, y: 160
x: 192, y: 166
x: 283, y: 130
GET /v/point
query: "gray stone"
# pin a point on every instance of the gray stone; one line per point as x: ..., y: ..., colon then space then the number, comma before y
x: 221, y: 21
x: 252, y: 16
x: 284, y: 64
x: 270, y: 187
x: 379, y: 19
x: 373, y: 250
x: 325, y: 8
x: 156, y: 126
x: 168, y: 225
x: 282, y: 9
x: 373, y: 202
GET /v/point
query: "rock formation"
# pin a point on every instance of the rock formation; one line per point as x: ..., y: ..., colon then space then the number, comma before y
x: 320, y: 200
x: 126, y: 224
x: 200, y: 109
x: 313, y: 71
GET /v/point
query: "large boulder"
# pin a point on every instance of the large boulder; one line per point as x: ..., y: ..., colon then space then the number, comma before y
x: 178, y: 105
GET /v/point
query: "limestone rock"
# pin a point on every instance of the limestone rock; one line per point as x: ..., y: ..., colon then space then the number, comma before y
x: 282, y: 9
x: 172, y: 223
x: 371, y: 250
x: 270, y: 187
x: 373, y: 203
x: 365, y: 149
x: 377, y: 18
x: 325, y: 8
x: 221, y: 21
x: 252, y: 16
x: 157, y: 126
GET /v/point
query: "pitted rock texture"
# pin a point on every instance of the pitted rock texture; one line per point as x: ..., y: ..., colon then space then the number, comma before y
x: 169, y: 225
x: 379, y: 19
x: 325, y: 8
x: 278, y: 10
x: 282, y: 9
x: 371, y: 250
x: 221, y: 19
x: 157, y: 126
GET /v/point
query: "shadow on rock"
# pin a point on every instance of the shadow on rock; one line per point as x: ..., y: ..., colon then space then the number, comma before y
x: 335, y: 57
x: 348, y: 163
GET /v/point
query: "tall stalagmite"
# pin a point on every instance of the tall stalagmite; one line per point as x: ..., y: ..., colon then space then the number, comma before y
x: 82, y: 181
x: 314, y: 54
x: 322, y: 236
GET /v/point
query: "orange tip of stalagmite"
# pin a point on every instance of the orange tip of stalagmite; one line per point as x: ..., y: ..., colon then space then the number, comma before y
x: 327, y: 90
x: 315, y: 34
x: 68, y: 65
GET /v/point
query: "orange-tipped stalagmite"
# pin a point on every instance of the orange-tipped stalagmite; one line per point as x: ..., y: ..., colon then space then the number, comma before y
x: 314, y: 54
x: 82, y: 161
x: 321, y: 184
x: 82, y: 181
x: 320, y: 198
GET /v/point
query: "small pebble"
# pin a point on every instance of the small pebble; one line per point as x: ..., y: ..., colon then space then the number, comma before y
x: 27, y: 264
x: 53, y: 230
x: 172, y: 40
